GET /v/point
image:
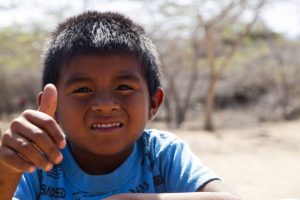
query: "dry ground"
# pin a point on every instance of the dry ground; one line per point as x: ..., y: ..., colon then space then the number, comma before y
x: 260, y: 163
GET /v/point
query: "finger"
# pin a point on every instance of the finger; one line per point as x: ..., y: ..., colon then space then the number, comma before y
x: 40, y: 139
x: 27, y: 151
x: 44, y: 123
x: 14, y: 162
x: 48, y: 102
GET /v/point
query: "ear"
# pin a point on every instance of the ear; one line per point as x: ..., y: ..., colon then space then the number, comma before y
x: 155, y: 103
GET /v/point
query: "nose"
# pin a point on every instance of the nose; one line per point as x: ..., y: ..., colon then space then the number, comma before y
x: 105, y: 102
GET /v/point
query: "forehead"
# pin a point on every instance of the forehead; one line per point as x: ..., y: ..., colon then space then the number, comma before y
x: 95, y: 64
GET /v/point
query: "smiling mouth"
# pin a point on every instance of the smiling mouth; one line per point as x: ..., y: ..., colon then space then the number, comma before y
x: 106, y: 125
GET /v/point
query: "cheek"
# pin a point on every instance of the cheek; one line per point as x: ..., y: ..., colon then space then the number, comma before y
x: 68, y: 109
x: 137, y: 104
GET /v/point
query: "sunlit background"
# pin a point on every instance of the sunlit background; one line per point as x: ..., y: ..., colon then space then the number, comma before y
x: 231, y: 77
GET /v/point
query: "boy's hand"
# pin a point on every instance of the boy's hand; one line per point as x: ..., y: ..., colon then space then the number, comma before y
x: 33, y: 138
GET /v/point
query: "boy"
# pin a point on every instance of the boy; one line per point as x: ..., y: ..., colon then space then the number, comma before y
x: 87, y: 140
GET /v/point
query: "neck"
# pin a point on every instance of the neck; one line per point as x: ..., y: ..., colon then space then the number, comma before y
x: 94, y: 164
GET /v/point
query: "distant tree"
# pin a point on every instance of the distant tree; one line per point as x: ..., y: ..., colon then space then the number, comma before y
x: 228, y: 16
x: 284, y: 57
x: 215, y: 28
x: 180, y: 70
x: 20, y: 66
x: 180, y: 62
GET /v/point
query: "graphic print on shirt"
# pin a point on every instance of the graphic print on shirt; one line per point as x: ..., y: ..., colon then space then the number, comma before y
x: 55, y: 172
x: 53, y: 192
x: 142, y: 188
x: 158, y: 180
x: 47, y: 189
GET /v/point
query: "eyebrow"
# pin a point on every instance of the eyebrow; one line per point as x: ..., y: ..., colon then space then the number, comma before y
x: 120, y: 77
x: 128, y: 76
x: 75, y: 79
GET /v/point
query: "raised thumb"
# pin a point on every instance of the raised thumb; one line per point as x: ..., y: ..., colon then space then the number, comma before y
x: 48, y: 100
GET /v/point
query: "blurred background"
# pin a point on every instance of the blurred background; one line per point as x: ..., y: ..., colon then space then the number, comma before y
x: 231, y: 78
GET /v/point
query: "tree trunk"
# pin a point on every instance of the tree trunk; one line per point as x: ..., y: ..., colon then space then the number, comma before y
x: 210, y: 97
x: 209, y: 105
x: 167, y: 106
x: 180, y: 116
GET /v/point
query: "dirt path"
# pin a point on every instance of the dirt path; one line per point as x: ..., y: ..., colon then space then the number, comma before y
x: 261, y: 163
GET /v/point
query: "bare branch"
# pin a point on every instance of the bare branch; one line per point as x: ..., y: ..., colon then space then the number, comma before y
x: 223, y: 14
x: 239, y: 40
x: 234, y: 15
x: 200, y: 19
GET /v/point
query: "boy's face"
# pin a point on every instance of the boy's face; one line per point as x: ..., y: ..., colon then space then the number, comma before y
x: 104, y: 103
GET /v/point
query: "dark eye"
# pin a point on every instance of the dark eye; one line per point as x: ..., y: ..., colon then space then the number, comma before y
x: 82, y: 90
x: 124, y: 87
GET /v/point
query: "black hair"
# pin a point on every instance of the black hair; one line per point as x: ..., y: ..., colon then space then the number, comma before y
x: 100, y: 33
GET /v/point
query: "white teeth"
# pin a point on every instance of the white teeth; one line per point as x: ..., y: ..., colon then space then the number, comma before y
x: 109, y: 125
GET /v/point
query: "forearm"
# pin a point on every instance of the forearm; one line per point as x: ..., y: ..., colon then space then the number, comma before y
x: 8, y: 183
x: 176, y: 196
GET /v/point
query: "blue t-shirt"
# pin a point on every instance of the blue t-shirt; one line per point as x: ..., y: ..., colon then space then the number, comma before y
x: 160, y: 162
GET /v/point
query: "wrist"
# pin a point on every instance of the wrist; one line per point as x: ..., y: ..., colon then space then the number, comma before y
x: 8, y: 174
x: 9, y: 180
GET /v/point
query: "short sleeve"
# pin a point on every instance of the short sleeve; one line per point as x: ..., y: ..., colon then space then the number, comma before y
x: 181, y: 168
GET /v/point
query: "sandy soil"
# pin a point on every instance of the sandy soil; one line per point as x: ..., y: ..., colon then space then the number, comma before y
x: 260, y: 163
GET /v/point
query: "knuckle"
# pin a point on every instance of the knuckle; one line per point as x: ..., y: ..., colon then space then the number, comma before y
x: 49, y: 122
x: 27, y: 112
x: 38, y: 135
x: 24, y: 146
x: 5, y: 137
x: 15, y: 123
